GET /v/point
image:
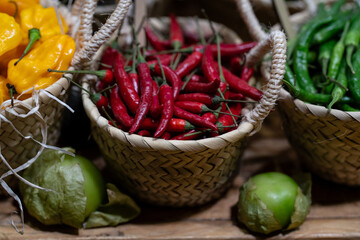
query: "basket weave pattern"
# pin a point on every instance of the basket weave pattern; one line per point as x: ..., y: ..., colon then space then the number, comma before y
x: 171, y: 178
x: 329, y: 144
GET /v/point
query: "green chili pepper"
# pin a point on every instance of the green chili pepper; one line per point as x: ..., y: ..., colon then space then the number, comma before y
x: 352, y: 40
x: 34, y: 35
x: 312, y: 56
x: 331, y: 30
x: 325, y: 54
x: 354, y: 79
x: 339, y: 91
x: 347, y: 108
x: 289, y: 75
x: 335, y: 60
x: 336, y: 7
x: 315, y: 98
x: 301, y: 53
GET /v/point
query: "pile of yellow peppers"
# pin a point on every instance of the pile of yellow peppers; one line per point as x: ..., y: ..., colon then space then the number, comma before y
x: 51, y: 48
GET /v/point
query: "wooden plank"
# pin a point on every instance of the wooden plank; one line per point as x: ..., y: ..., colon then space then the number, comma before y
x: 335, y: 212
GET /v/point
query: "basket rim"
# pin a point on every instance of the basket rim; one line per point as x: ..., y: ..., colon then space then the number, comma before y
x: 214, y: 143
x: 318, y: 110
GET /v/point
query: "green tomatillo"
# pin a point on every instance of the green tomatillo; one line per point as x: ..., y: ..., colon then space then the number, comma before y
x: 78, y: 188
x: 79, y: 197
x: 273, y: 201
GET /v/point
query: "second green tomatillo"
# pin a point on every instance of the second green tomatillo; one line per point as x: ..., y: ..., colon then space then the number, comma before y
x: 273, y: 201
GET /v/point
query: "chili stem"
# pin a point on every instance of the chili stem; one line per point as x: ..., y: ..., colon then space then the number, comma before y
x: 34, y: 35
x: 162, y: 71
x: 108, y: 116
x: 202, y: 39
x: 187, y: 79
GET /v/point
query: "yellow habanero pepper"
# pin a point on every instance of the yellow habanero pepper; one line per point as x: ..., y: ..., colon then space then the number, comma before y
x: 9, y: 6
x: 44, y: 19
x: 10, y: 33
x: 55, y: 53
x: 4, y: 91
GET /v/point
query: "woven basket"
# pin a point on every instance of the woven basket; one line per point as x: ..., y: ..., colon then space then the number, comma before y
x: 184, y: 173
x: 44, y: 124
x: 327, y: 142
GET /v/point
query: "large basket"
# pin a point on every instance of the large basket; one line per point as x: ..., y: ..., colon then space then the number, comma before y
x: 327, y: 142
x: 184, y: 173
x: 22, y: 124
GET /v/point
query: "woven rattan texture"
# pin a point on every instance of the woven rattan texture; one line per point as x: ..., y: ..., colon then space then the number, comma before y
x: 329, y: 146
x: 18, y: 150
x: 171, y: 178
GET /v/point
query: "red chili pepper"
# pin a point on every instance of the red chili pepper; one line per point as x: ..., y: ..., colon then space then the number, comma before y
x: 188, y: 64
x: 210, y: 87
x: 196, y: 97
x: 108, y: 58
x: 100, y: 101
x: 134, y: 78
x: 165, y: 60
x: 193, y: 107
x: 100, y: 85
x: 235, y: 96
x: 197, y: 78
x: 166, y: 136
x: 193, y: 118
x: 146, y: 95
x: 119, y: 109
x: 175, y: 125
x: 236, y: 84
x: 232, y: 49
x: 226, y: 120
x: 246, y: 73
x: 204, y: 98
x: 144, y: 133
x: 176, y: 34
x: 190, y: 135
x: 126, y: 86
x: 155, y: 42
x: 167, y: 101
x: 209, y: 116
x: 210, y: 70
x: 236, y: 64
x: 155, y: 108
x: 172, y: 77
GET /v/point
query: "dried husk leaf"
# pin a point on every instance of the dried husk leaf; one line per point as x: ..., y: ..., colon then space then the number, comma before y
x: 67, y: 183
x: 302, y: 202
x: 119, y: 209
x: 253, y: 212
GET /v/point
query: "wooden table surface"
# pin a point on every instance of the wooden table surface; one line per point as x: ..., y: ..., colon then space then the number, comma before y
x: 335, y: 210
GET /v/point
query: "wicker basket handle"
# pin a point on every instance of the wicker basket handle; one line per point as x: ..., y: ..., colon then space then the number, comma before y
x: 275, y: 41
x: 92, y: 45
x: 255, y: 29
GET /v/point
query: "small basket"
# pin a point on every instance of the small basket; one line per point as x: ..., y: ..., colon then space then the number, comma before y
x: 327, y: 142
x: 21, y: 122
x: 184, y: 173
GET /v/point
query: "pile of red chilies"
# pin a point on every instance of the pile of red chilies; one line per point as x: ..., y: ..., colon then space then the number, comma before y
x: 191, y: 102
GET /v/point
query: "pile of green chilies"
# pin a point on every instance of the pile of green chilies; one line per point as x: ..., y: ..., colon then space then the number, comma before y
x: 323, y: 64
